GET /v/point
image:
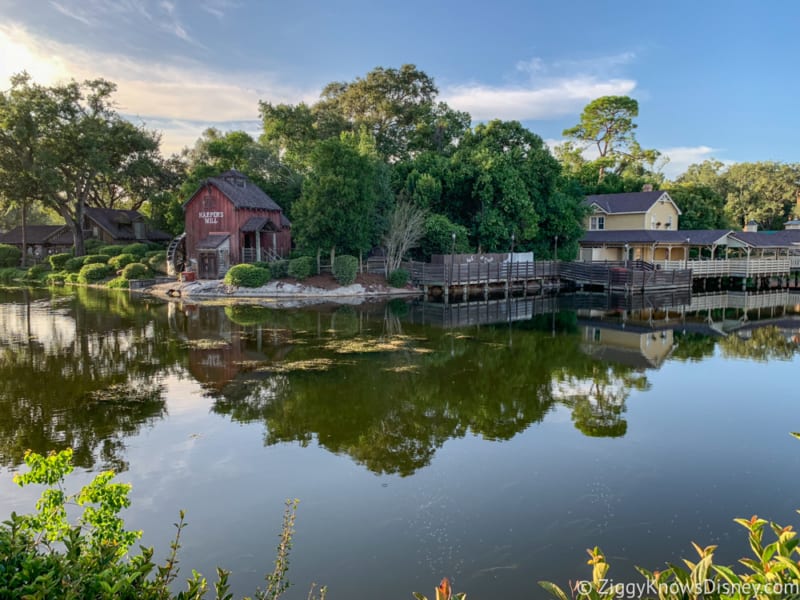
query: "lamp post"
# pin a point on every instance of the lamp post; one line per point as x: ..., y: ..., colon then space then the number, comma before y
x: 512, y: 254
x: 686, y: 262
x: 627, y: 254
x: 452, y: 255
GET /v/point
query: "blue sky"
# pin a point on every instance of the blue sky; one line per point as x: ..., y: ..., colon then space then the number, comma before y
x: 713, y: 79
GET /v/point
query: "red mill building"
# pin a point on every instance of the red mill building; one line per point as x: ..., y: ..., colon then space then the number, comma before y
x: 230, y: 220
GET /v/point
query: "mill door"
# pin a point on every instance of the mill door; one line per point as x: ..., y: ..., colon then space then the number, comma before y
x: 208, y: 265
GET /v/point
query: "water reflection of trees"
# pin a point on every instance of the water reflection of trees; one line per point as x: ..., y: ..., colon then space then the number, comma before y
x: 88, y: 378
x: 389, y: 395
x: 762, y: 344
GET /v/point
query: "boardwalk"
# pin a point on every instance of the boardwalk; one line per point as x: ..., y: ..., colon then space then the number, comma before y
x: 737, y: 267
x: 630, y: 277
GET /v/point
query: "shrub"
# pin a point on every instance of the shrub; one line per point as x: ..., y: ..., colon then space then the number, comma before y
x: 157, y: 261
x: 300, y: 268
x: 55, y: 278
x: 71, y: 278
x: 155, y: 246
x: 110, y: 250
x: 93, y: 273
x: 92, y: 245
x: 86, y: 551
x: 57, y: 260
x: 73, y: 265
x: 9, y: 274
x: 9, y: 255
x: 121, y: 260
x: 119, y: 283
x: 398, y: 278
x: 137, y: 249
x: 246, y: 275
x: 135, y: 271
x: 36, y: 272
x: 345, y: 269
x: 95, y: 259
x: 279, y: 268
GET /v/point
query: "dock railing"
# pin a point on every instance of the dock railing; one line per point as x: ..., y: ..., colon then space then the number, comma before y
x: 733, y: 267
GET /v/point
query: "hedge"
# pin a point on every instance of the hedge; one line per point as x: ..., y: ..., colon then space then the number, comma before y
x: 73, y: 265
x: 9, y: 274
x: 93, y: 273
x: 300, y: 268
x: 157, y: 260
x: 95, y: 259
x: 36, y: 272
x: 118, y: 283
x: 137, y: 249
x: 345, y: 269
x: 57, y: 261
x: 9, y: 255
x: 246, y: 275
x: 92, y: 245
x: 279, y: 268
x: 398, y: 278
x: 135, y: 271
x: 110, y: 250
x: 121, y: 260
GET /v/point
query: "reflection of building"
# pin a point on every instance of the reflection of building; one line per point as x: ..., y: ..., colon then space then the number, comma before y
x: 631, y: 346
x: 220, y: 350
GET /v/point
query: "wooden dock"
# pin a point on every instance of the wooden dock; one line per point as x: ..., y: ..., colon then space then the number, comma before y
x: 736, y: 267
x: 467, y: 277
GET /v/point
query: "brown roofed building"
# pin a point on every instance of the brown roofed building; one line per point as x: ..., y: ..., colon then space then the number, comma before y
x: 42, y: 240
x: 115, y: 226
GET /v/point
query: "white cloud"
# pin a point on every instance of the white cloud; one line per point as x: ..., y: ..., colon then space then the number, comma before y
x: 176, y: 93
x: 549, y: 89
x: 672, y: 162
x: 218, y: 8
x: 547, y: 101
x: 72, y: 13
x: 680, y: 157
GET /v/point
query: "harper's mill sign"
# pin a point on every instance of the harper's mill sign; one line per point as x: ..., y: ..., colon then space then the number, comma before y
x: 211, y: 217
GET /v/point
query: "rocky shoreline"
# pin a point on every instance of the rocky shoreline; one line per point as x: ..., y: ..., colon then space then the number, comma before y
x: 286, y: 293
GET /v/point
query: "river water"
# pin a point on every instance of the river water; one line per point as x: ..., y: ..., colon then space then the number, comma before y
x: 493, y: 454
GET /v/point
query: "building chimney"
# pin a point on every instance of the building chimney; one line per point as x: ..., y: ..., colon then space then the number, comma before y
x: 751, y: 226
x: 647, y: 187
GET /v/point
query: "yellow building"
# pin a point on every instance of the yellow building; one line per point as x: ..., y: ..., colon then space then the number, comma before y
x: 634, y: 226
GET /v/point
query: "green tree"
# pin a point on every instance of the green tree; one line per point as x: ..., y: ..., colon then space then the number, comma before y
x: 438, y: 237
x: 62, y: 145
x: 702, y: 207
x: 397, y: 107
x: 341, y: 195
x: 498, y: 180
x: 606, y: 126
x: 761, y: 191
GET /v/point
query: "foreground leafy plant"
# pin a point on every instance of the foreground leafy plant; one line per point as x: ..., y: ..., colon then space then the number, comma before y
x: 43, y: 555
x: 443, y: 592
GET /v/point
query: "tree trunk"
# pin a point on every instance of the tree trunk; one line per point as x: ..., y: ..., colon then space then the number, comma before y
x: 24, y: 233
